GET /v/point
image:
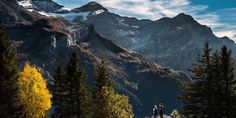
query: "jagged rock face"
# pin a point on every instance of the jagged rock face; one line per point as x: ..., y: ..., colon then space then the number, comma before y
x: 9, y: 14
x: 120, y: 27
x: 13, y: 14
x: 173, y: 42
x: 45, y: 41
x: 46, y: 5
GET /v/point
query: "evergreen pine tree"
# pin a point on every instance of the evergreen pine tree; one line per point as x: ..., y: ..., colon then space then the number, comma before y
x: 197, y: 97
x: 76, y: 89
x: 102, y: 76
x: 102, y: 82
x: 216, y: 86
x: 57, y: 87
x: 8, y: 76
x: 229, y: 84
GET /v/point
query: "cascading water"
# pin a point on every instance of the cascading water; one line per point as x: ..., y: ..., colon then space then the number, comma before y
x: 78, y: 33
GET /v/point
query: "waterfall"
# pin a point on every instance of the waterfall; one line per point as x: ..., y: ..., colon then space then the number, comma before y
x: 54, y: 42
x: 78, y: 33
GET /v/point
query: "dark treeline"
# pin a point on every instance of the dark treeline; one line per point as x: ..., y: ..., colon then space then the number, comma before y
x: 211, y: 94
x: 8, y: 76
x: 72, y: 98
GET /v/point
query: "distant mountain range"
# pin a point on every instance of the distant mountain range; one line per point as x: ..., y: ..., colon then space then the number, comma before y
x: 172, y: 42
x: 46, y: 33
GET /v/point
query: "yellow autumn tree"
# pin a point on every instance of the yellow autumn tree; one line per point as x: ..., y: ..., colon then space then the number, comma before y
x: 32, y: 94
x: 118, y: 105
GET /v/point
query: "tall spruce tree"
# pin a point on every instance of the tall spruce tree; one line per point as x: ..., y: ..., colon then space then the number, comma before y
x: 57, y: 87
x: 197, y: 96
x: 216, y: 85
x: 102, y: 81
x: 8, y: 76
x: 102, y: 76
x: 212, y: 93
x: 76, y: 89
x: 229, y: 84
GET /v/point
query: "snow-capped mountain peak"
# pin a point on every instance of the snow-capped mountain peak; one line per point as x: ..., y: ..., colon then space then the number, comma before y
x: 81, y: 13
x: 91, y: 6
x: 40, y: 6
x: 51, y: 8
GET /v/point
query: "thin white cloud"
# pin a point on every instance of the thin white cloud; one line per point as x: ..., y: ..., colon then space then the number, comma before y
x: 229, y: 33
x: 151, y: 9
x: 226, y: 25
x: 146, y: 9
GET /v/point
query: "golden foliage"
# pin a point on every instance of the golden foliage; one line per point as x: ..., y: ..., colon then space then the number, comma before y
x: 118, y: 105
x: 33, y: 95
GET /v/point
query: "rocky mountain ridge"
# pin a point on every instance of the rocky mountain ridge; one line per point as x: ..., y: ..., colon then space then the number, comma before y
x: 173, y: 42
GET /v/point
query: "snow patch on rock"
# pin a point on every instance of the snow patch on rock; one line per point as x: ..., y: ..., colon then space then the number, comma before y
x: 179, y: 28
x: 66, y: 8
x: 25, y: 3
x: 135, y: 26
x: 43, y: 13
x: 99, y: 12
x: 121, y: 21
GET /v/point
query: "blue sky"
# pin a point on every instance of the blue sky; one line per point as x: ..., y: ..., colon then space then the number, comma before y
x: 220, y: 15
